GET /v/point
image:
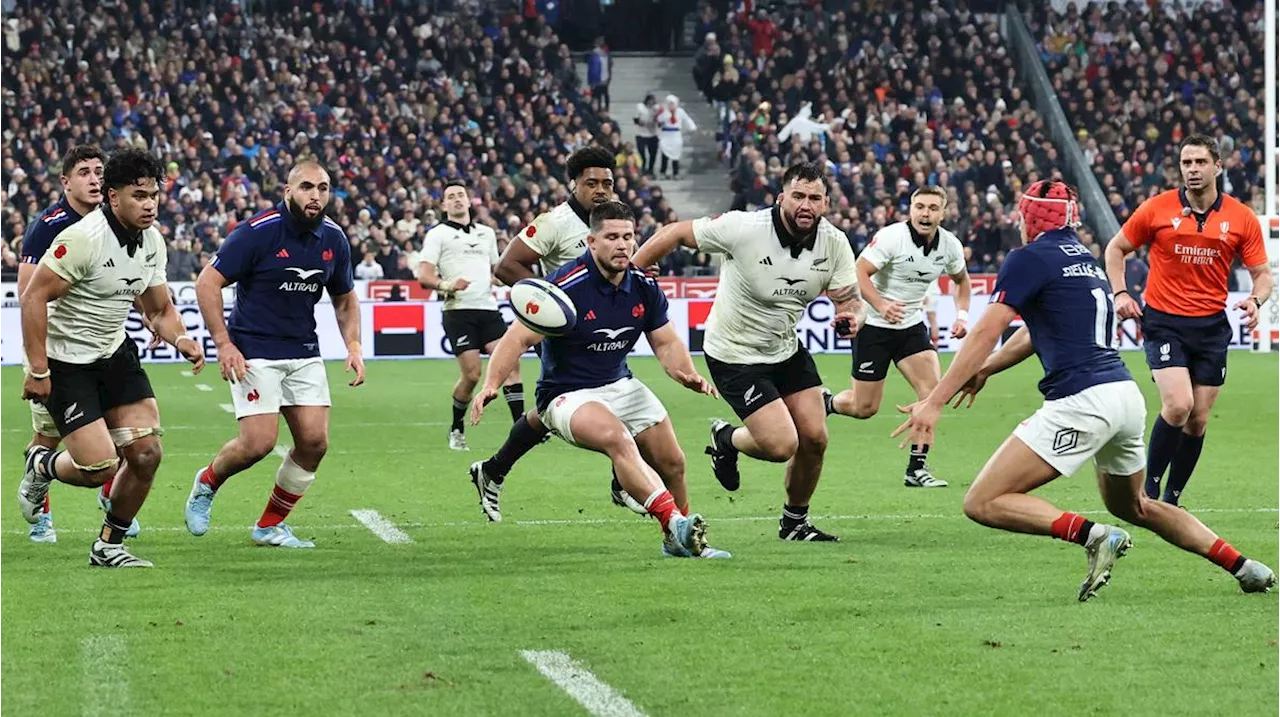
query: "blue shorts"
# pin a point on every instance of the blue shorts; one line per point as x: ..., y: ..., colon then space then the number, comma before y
x: 1196, y: 343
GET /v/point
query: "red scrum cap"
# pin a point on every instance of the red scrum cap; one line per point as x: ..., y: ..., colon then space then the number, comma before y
x: 1048, y: 205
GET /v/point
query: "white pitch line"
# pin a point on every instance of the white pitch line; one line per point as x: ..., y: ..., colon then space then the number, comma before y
x: 381, y: 527
x: 227, y: 407
x: 539, y: 523
x: 204, y: 387
x: 577, y: 681
x: 205, y: 426
x: 188, y: 374
x: 104, y: 679
x: 282, y: 451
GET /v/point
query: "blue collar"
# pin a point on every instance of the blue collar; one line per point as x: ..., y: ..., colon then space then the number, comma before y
x: 66, y: 207
x: 296, y: 228
x: 603, y: 285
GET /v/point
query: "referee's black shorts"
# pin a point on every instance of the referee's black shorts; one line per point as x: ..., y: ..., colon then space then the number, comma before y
x: 80, y: 393
x: 749, y: 387
x: 876, y: 347
x: 472, y: 329
x: 1197, y: 343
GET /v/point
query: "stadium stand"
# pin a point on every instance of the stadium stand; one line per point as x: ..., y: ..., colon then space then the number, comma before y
x: 1134, y: 80
x: 394, y: 97
x: 899, y: 97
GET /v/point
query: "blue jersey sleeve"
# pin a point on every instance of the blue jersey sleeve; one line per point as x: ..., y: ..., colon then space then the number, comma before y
x: 36, y: 241
x: 1020, y: 279
x: 655, y: 313
x: 342, y: 281
x: 237, y: 255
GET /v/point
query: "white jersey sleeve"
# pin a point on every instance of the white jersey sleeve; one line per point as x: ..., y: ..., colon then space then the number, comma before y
x: 73, y: 254
x: 153, y: 245
x: 721, y: 233
x: 558, y: 236
x: 843, y: 272
x: 954, y: 252
x: 882, y: 248
x: 431, y: 247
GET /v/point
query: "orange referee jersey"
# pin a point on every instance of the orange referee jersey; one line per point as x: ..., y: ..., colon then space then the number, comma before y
x: 1191, y: 255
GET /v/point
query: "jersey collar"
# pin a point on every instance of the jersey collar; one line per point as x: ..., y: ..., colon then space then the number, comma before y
x: 602, y: 284
x: 796, y: 243
x: 920, y: 241
x: 464, y: 228
x: 583, y: 213
x: 129, y: 240
x: 66, y: 207
x: 295, y: 227
x: 1200, y: 218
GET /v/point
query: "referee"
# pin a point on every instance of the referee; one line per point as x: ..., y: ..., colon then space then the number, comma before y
x: 1194, y: 234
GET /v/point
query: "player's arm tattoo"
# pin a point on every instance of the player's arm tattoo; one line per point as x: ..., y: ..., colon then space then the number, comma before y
x: 847, y: 299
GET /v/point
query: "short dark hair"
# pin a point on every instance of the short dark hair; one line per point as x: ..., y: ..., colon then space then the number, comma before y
x: 602, y: 213
x: 806, y: 172
x: 1201, y: 140
x: 456, y: 183
x: 588, y: 157
x: 130, y: 166
x: 78, y: 154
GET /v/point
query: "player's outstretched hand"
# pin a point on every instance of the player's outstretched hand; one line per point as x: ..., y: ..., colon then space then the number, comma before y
x: 355, y: 362
x: 481, y: 400
x: 970, y: 389
x: 894, y: 311
x: 919, y: 424
x: 192, y: 351
x: 695, y: 382
x: 959, y: 329
x: 35, y: 389
x: 1250, y: 310
x: 1127, y: 307
x: 231, y: 363
x: 846, y: 324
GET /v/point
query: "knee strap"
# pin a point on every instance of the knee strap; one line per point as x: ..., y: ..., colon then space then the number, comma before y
x: 98, y: 467
x: 126, y: 436
x: 292, y: 478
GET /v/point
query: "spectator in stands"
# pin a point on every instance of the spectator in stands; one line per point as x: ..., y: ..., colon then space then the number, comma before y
x: 369, y: 269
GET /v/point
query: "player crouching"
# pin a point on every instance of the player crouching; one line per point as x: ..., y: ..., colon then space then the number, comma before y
x: 587, y: 395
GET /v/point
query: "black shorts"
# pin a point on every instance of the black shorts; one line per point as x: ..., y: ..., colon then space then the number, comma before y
x: 1197, y: 343
x: 876, y: 347
x: 473, y: 329
x: 749, y: 387
x: 80, y: 393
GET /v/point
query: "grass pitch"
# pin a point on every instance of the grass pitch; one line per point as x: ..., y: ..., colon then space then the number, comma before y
x: 918, y: 611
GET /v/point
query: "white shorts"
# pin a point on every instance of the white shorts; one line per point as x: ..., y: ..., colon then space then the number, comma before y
x: 272, y: 383
x: 628, y: 399
x: 1104, y: 422
x: 42, y: 422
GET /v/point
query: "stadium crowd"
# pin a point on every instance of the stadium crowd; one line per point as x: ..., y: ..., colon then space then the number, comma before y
x: 394, y: 97
x: 890, y: 99
x: 1134, y: 80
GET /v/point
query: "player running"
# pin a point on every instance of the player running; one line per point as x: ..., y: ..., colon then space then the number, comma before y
x: 551, y: 241
x: 280, y: 260
x: 587, y: 395
x: 83, y: 367
x: 466, y: 253
x: 895, y: 274
x: 1093, y: 408
x: 776, y: 261
x: 1194, y: 233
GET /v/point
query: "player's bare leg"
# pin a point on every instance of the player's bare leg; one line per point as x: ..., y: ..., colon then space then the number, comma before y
x: 42, y: 531
x: 769, y: 434
x: 1124, y: 497
x: 1176, y: 401
x: 923, y: 372
x: 1191, y: 442
x: 660, y: 449
x: 999, y: 498
x: 309, y: 428
x: 805, y: 466
x: 596, y: 428
x: 861, y: 400
x: 141, y: 457
x: 256, y: 439
x: 463, y: 388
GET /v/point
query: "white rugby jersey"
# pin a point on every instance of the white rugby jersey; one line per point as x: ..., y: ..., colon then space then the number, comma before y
x: 87, y: 323
x: 468, y: 252
x: 559, y: 235
x: 904, y: 272
x: 764, y: 285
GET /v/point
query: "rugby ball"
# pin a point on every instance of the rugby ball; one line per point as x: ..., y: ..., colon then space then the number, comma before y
x: 543, y: 307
